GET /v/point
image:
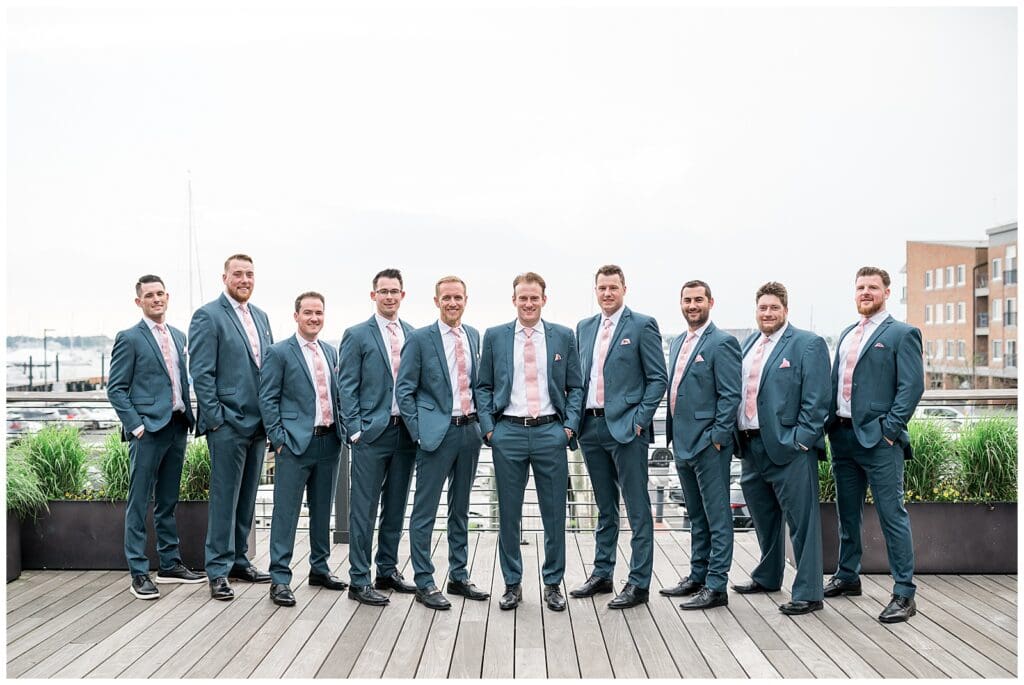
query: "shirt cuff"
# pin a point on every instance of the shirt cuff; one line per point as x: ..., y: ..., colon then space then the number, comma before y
x: 138, y: 431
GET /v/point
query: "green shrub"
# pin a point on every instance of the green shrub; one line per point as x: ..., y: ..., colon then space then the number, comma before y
x: 826, y: 482
x: 24, y: 496
x: 115, y: 467
x: 59, y: 459
x: 987, y: 454
x: 195, y: 474
x: 932, y: 475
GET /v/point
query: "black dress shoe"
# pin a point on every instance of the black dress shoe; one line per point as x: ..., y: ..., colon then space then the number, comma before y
x: 467, y: 590
x: 432, y: 598
x: 706, y: 599
x: 143, y: 588
x: 683, y: 588
x: 394, y: 581
x: 899, y: 610
x: 836, y: 587
x: 512, y: 597
x: 282, y: 595
x: 329, y: 582
x: 179, y: 574
x: 553, y: 597
x: 364, y: 594
x: 630, y: 596
x: 592, y: 586
x: 799, y: 606
x: 219, y: 589
x: 249, y: 574
x: 752, y: 588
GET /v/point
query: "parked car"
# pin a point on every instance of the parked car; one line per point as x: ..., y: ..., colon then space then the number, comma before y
x: 951, y: 418
x: 30, y: 419
x: 737, y: 502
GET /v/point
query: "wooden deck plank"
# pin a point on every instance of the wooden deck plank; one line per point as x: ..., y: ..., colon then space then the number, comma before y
x: 436, y: 661
x: 787, y: 663
x: 530, y: 661
x: 559, y: 639
x: 590, y: 652
x: 1007, y: 581
x: 408, y: 649
x: 27, y: 596
x: 997, y: 611
x: 467, y: 661
x: 28, y: 618
x: 990, y: 587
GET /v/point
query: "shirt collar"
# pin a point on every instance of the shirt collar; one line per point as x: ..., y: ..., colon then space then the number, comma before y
x: 878, y: 317
x: 614, y: 317
x: 699, y: 332
x: 384, y: 323
x: 303, y: 342
x: 539, y: 328
x: 445, y: 328
x: 153, y: 324
x: 777, y: 335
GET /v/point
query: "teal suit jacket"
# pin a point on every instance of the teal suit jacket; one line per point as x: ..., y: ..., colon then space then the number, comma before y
x: 497, y: 368
x: 708, y: 395
x: 288, y: 395
x: 792, y: 398
x: 139, y: 387
x: 888, y: 382
x: 634, y: 372
x: 225, y: 378
x: 365, y: 383
x: 424, y: 389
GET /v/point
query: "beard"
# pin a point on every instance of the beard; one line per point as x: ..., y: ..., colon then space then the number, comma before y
x: 769, y: 329
x: 869, y: 309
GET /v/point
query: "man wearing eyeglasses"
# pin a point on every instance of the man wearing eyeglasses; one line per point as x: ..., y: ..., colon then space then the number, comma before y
x: 383, y: 454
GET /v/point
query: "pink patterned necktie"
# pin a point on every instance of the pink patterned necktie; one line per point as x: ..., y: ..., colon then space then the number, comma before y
x: 602, y: 353
x: 320, y: 373
x: 165, y: 348
x: 684, y: 356
x: 851, y: 359
x: 250, y: 330
x: 465, y: 397
x: 530, y: 369
x: 754, y: 378
x: 396, y: 352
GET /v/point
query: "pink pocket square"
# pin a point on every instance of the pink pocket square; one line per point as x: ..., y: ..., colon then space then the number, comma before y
x: 784, y: 364
x: 879, y: 345
x: 625, y: 341
x: 558, y: 357
x: 698, y: 359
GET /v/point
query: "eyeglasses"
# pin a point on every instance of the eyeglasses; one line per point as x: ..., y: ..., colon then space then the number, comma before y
x: 393, y: 292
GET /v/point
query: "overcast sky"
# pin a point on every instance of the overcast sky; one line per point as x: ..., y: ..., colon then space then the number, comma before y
x: 733, y: 145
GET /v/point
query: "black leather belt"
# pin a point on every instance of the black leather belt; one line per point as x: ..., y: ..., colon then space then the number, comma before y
x: 844, y: 422
x: 750, y: 433
x: 395, y: 421
x: 320, y: 431
x: 464, y: 420
x: 594, y: 412
x: 529, y: 421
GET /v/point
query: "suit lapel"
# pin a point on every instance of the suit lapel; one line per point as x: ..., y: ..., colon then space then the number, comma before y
x: 772, y: 361
x: 698, y: 347
x: 588, y: 333
x: 509, y: 354
x: 379, y: 339
x: 874, y: 336
x: 331, y: 376
x: 155, y: 346
x: 233, y: 316
x: 435, y: 336
x: 297, y: 351
x: 619, y: 333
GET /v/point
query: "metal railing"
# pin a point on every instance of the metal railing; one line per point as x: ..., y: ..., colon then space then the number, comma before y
x: 1009, y: 277
x: 1009, y: 318
x: 983, y: 320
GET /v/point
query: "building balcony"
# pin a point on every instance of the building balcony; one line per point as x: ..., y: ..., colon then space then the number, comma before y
x: 983, y: 320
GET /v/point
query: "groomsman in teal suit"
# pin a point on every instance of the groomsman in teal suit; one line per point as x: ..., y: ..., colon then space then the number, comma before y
x: 704, y: 394
x: 148, y: 389
x: 436, y: 390
x: 877, y: 381
x: 383, y: 454
x: 531, y: 394
x: 228, y: 338
x: 299, y: 405
x: 624, y: 379
x: 781, y: 423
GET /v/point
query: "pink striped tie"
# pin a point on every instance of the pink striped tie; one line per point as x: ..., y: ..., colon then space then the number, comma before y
x: 465, y: 397
x: 165, y: 347
x: 684, y: 356
x: 396, y: 352
x: 602, y: 353
x: 326, y: 417
x: 530, y: 369
x: 851, y: 359
x: 754, y: 378
x: 250, y: 330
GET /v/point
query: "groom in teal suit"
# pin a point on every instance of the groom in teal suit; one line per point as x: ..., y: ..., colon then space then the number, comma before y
x: 436, y: 391
x: 877, y: 381
x: 383, y: 454
x: 228, y: 338
x: 780, y: 438
x: 624, y: 380
x: 531, y: 393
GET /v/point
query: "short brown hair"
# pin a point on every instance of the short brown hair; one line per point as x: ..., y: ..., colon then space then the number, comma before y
x: 449, y: 279
x: 875, y: 271
x: 240, y: 257
x: 148, y: 278
x: 308, y: 293
x: 610, y: 270
x: 696, y: 284
x: 773, y: 288
x: 389, y: 273
x: 529, y: 277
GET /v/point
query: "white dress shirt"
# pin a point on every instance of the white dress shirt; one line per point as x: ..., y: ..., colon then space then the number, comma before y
x: 743, y: 423
x: 693, y: 347
x: 517, y: 404
x: 175, y: 365
x: 385, y: 335
x: 308, y: 355
x: 842, y: 405
x: 453, y: 368
x: 592, y: 388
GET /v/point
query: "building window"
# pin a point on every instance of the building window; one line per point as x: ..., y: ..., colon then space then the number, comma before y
x: 928, y: 279
x: 1011, y: 257
x: 997, y: 311
x: 927, y: 313
x: 997, y: 349
x: 1011, y: 354
x: 938, y: 278
x: 929, y: 348
x: 961, y: 274
x: 961, y: 312
x: 1010, y: 317
x: 997, y: 269
x: 938, y: 348
x: 949, y: 277
x: 949, y: 312
x: 961, y: 350
x: 949, y: 349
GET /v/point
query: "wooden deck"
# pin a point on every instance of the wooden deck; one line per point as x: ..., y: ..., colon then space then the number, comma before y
x: 73, y: 624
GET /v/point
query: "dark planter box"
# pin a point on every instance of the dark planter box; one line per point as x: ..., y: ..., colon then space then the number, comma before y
x: 13, y: 547
x: 90, y: 536
x: 948, y: 538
